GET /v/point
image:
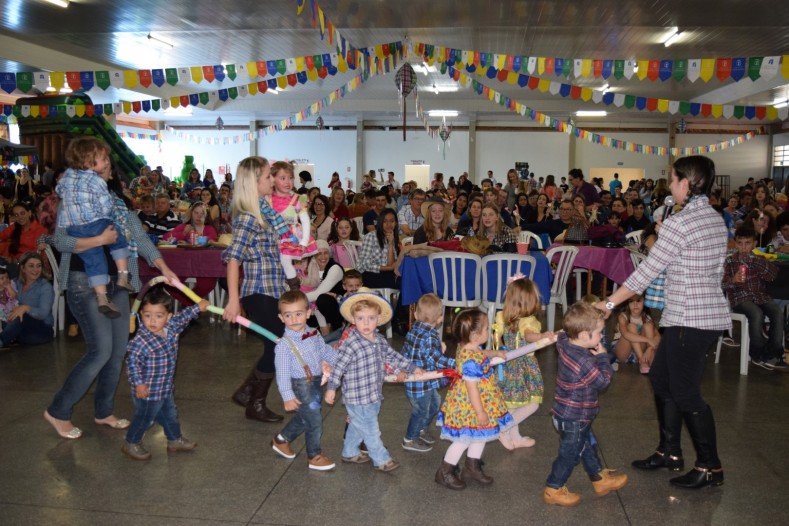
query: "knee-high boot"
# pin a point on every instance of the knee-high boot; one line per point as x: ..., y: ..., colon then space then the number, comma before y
x: 256, y: 406
x: 669, y: 451
x: 708, y: 471
x: 241, y: 396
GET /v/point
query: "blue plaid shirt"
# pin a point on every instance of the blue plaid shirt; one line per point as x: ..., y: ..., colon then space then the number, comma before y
x: 361, y: 363
x: 313, y: 350
x: 151, y: 359
x: 580, y: 377
x: 257, y: 249
x: 423, y: 348
x: 84, y: 198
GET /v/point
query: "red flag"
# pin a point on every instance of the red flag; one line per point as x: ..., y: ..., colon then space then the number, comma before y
x: 456, y: 74
x: 262, y: 86
x: 322, y: 72
x: 310, y: 62
x: 724, y: 68
x: 761, y: 112
x: 598, y: 68
x: 509, y: 62
x: 90, y: 110
x: 261, y: 67
x: 706, y: 109
x: 184, y: 100
x: 575, y: 92
x: 549, y: 67
x: 137, y: 106
x: 653, y: 71
x: 145, y: 77
x: 292, y: 81
x: 502, y: 75
x: 534, y: 82
x: 651, y: 104
x: 43, y: 110
x: 73, y: 81
x: 208, y: 73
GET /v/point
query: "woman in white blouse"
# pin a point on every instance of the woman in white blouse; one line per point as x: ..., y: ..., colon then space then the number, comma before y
x: 321, y: 222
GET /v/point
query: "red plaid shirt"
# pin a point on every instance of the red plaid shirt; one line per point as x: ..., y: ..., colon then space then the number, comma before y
x: 760, y: 272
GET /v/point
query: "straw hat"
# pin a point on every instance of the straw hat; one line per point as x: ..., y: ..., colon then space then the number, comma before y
x: 368, y: 295
x: 434, y: 201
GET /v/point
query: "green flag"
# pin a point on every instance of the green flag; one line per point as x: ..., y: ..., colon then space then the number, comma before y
x: 24, y: 81
x: 739, y: 111
x: 156, y: 104
x: 684, y: 107
x: 680, y: 69
x: 630, y: 101
x: 171, y: 76
x: 204, y: 98
x: 231, y: 71
x: 103, y: 79
x: 754, y: 65
x: 232, y: 92
x: 619, y: 69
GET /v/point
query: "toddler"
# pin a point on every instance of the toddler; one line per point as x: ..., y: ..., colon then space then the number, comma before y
x: 151, y: 366
x: 474, y: 411
x: 299, y: 357
x: 515, y: 326
x: 8, y: 293
x: 423, y: 347
x: 584, y: 370
x: 637, y: 333
x: 86, y: 210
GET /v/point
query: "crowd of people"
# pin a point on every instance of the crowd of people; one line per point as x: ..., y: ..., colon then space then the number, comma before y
x: 316, y: 259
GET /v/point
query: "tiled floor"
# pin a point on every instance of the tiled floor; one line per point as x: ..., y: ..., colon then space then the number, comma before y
x: 234, y: 478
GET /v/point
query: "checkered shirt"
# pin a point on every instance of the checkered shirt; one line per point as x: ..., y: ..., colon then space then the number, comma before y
x: 313, y: 350
x: 406, y: 216
x: 423, y: 348
x: 760, y: 272
x: 257, y: 249
x: 371, y: 256
x: 84, y: 198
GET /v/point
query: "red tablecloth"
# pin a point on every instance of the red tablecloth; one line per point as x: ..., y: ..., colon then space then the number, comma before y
x: 614, y: 263
x: 188, y: 263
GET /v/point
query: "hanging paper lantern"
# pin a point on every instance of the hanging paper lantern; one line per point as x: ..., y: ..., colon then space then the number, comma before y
x: 220, y: 124
x: 319, y: 122
x: 682, y: 126
x: 443, y: 133
x: 405, y: 80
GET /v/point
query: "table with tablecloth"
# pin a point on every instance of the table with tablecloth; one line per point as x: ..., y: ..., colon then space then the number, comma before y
x: 416, y: 278
x: 613, y: 263
x: 192, y: 262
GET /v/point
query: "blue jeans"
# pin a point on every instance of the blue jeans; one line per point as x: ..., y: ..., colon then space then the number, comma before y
x: 364, y: 428
x: 761, y: 348
x: 26, y: 331
x: 146, y: 412
x: 423, y: 411
x: 105, y: 347
x: 94, y: 259
x: 577, y: 442
x: 307, y: 419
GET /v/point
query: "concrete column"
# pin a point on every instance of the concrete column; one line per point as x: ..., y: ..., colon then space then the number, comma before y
x: 360, y: 171
x: 472, y: 152
x: 253, y: 144
x: 572, y: 145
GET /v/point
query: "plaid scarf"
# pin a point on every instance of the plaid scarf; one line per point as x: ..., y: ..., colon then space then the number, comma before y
x: 274, y: 219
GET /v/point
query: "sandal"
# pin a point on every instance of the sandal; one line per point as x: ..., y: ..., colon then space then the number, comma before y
x: 112, y: 422
x: 72, y: 434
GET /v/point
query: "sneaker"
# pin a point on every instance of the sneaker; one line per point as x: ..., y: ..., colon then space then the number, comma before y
x: 615, y: 366
x: 777, y: 364
x: 609, y: 482
x: 282, y: 448
x: 416, y: 445
x: 363, y: 448
x: 426, y: 437
x: 180, y: 444
x: 560, y: 497
x: 761, y: 363
x: 321, y: 463
x: 361, y: 458
x: 135, y: 451
x: 390, y: 465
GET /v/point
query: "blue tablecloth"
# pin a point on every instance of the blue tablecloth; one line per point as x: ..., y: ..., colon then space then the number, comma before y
x: 416, y: 280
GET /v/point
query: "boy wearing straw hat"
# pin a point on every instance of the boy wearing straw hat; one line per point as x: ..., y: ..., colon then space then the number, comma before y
x: 361, y: 361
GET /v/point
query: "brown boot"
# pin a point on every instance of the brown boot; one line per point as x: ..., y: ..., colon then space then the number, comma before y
x: 609, y: 482
x: 473, y: 470
x: 123, y: 281
x: 241, y: 396
x: 447, y: 478
x: 256, y: 406
x: 107, y: 307
x: 293, y: 283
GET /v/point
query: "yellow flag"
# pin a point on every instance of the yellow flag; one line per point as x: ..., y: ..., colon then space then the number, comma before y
x: 462, y: 79
x: 470, y: 58
x: 282, y: 82
x: 544, y: 85
x: 197, y: 74
x: 586, y: 67
x: 300, y: 64
x: 717, y: 110
x: 175, y: 102
x: 540, y: 65
x: 80, y: 110
x: 342, y: 66
x: 130, y: 78
x: 491, y: 94
x: 662, y: 105
x: 57, y: 79
x: 772, y: 113
x: 643, y: 69
x: 253, y: 88
x: 34, y: 110
x: 379, y: 51
x: 707, y: 69
x: 501, y: 62
x: 127, y: 106
x: 512, y: 77
x: 785, y: 66
x: 252, y: 70
x: 586, y: 94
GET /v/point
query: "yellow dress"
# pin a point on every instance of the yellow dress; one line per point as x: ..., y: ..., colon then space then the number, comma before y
x: 457, y: 418
x: 522, y: 383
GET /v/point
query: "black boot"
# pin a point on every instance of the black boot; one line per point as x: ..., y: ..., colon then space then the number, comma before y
x: 473, y: 470
x: 256, y: 406
x: 241, y: 396
x: 708, y: 471
x: 447, y: 477
x: 669, y: 452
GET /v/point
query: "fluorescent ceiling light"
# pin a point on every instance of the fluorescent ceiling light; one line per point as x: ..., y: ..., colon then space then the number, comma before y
x: 179, y: 111
x: 59, y: 3
x: 671, y: 40
x: 443, y: 113
x: 604, y: 87
x: 670, y: 37
x: 425, y: 69
x: 443, y: 89
x: 273, y: 91
x: 50, y: 89
x: 594, y: 113
x: 781, y: 104
x: 159, y: 41
x: 65, y: 89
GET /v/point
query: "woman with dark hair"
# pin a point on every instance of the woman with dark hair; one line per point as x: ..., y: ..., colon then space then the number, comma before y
x: 464, y: 184
x: 192, y: 186
x: 761, y: 195
x: 379, y: 252
x: 549, y: 188
x: 225, y: 202
x: 322, y: 284
x: 335, y: 181
x: 31, y: 322
x: 544, y: 209
x: 23, y: 189
x: 213, y: 213
x: 691, y: 248
x: 208, y: 178
x: 458, y: 209
x: 469, y: 224
x: 22, y: 236
x: 763, y: 225
x: 319, y: 213
x: 305, y: 178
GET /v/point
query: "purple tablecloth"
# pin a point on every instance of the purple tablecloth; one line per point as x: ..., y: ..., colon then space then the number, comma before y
x: 614, y: 263
x: 188, y: 263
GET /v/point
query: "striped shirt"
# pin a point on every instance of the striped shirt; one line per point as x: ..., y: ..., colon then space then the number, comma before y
x: 84, y: 198
x: 759, y: 273
x: 423, y: 347
x: 256, y: 248
x: 313, y: 351
x: 691, y: 249
x: 371, y: 256
x: 360, y: 367
x: 406, y: 216
x: 581, y: 376
x: 152, y: 358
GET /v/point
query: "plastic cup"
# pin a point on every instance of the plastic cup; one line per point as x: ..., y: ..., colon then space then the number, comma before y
x: 523, y: 248
x: 202, y: 240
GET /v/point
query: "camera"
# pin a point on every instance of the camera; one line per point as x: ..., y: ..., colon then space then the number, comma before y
x: 523, y: 169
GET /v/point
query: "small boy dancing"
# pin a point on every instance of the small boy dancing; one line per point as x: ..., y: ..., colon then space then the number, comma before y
x: 361, y: 361
x: 584, y: 370
x: 151, y: 366
x: 423, y: 347
x: 299, y: 357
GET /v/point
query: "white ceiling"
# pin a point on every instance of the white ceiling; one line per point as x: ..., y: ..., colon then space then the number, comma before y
x: 100, y: 34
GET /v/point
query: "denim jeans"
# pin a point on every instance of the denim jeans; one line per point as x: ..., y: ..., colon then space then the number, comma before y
x: 761, y: 348
x: 423, y: 411
x: 364, y: 427
x: 94, y: 259
x: 105, y: 347
x: 307, y: 419
x: 146, y: 412
x: 26, y: 331
x: 577, y: 442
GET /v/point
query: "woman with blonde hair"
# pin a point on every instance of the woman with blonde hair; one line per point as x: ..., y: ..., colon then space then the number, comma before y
x: 436, y: 226
x: 492, y: 228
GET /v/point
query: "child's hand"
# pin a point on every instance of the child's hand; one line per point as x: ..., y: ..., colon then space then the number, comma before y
x: 599, y: 349
x: 330, y: 395
x: 548, y: 334
x: 326, y: 368
x: 483, y: 419
x: 141, y: 390
x: 402, y: 376
x: 292, y: 405
x: 203, y: 305
x: 443, y: 348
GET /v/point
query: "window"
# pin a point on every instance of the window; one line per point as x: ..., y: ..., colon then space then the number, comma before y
x: 781, y: 155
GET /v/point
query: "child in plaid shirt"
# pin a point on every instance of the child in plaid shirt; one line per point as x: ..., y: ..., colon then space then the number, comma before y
x: 423, y: 348
x: 151, y: 367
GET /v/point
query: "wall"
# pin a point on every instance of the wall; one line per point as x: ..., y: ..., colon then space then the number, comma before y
x: 750, y: 159
x: 546, y: 153
x: 589, y: 155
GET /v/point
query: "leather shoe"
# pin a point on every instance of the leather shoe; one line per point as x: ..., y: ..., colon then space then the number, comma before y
x: 698, y: 478
x: 659, y: 460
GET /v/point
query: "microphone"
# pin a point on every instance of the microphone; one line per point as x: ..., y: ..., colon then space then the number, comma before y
x: 668, y: 203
